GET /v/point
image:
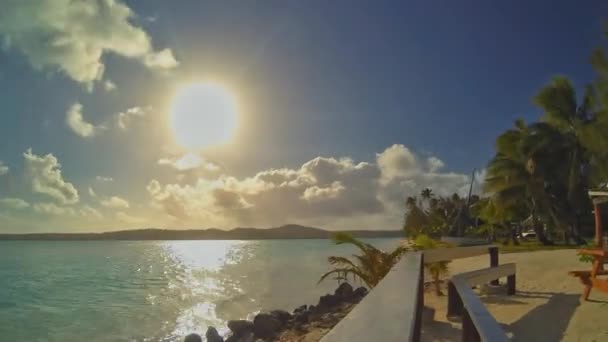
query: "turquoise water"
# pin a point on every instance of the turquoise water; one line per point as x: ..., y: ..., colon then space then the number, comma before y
x: 153, y: 290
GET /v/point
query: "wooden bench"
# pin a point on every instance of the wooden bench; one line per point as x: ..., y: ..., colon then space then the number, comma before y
x: 478, y: 277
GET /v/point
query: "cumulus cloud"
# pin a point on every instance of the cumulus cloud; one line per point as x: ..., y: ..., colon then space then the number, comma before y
x: 115, y: 202
x: 104, y: 179
x: 109, y: 85
x: 87, y: 211
x: 189, y: 161
x: 73, y: 35
x: 123, y: 217
x: 14, y: 203
x: 76, y: 122
x: 92, y: 193
x: 320, y: 190
x: 3, y: 169
x: 44, y: 175
x: 53, y: 209
x: 124, y: 119
x: 434, y: 164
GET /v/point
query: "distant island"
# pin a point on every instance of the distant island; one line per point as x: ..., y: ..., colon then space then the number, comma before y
x: 290, y: 231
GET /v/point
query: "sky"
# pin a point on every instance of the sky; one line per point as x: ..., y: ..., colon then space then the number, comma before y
x: 344, y: 108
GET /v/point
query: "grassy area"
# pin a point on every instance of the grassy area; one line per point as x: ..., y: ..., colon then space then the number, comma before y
x: 533, y: 246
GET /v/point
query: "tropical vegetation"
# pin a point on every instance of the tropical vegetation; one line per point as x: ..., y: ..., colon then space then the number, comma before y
x: 369, y: 266
x: 540, y: 174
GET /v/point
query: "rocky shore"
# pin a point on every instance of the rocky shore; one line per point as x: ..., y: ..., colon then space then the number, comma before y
x: 307, y: 323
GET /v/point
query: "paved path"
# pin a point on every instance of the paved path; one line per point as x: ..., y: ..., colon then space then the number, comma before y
x: 547, y: 305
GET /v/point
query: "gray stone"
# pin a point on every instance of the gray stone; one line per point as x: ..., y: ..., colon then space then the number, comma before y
x: 328, y: 301
x: 282, y: 315
x: 345, y: 290
x: 266, y: 325
x: 193, y: 338
x: 240, y: 327
x: 300, y: 309
x: 213, y: 336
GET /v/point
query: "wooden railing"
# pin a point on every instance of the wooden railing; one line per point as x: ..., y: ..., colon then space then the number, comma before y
x: 392, y: 311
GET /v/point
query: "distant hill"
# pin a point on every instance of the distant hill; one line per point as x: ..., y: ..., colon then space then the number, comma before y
x: 290, y: 231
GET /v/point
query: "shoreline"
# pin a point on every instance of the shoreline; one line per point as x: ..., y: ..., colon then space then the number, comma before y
x: 306, y: 323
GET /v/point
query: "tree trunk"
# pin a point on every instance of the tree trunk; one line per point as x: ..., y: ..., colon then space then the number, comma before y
x: 514, y: 239
x: 437, y: 284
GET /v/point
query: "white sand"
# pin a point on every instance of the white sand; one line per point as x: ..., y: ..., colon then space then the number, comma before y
x: 547, y: 306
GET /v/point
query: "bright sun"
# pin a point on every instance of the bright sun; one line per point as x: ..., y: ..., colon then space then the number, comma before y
x: 203, y: 114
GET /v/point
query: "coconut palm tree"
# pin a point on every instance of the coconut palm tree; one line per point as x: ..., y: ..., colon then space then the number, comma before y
x: 435, y: 269
x: 513, y: 177
x: 370, y: 266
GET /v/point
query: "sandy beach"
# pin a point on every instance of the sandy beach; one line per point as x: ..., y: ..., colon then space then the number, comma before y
x: 547, y: 306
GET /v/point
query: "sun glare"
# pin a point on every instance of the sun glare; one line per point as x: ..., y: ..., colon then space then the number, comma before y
x: 203, y: 114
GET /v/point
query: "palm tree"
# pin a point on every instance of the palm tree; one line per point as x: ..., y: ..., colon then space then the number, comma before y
x: 370, y: 266
x: 583, y: 146
x: 435, y: 269
x: 513, y: 178
x: 426, y: 194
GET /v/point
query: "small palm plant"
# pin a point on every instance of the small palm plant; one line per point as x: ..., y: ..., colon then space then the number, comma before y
x: 435, y: 269
x: 370, y: 266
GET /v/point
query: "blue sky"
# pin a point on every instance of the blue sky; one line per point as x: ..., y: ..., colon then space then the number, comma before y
x: 347, y: 107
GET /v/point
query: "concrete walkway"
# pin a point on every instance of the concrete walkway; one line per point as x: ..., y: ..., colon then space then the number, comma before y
x: 547, y: 306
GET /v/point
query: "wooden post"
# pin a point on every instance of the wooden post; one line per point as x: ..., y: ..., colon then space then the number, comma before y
x: 511, y: 285
x: 598, y: 225
x: 420, y: 303
x: 455, y: 305
x: 493, y: 261
x: 469, y: 332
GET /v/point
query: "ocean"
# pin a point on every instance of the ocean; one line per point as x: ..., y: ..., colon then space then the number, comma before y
x: 153, y: 290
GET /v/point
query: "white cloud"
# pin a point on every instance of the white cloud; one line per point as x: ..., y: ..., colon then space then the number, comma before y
x: 109, y: 85
x: 340, y: 192
x: 124, y: 119
x: 123, y: 217
x: 74, y: 120
x: 104, y: 179
x: 3, y: 169
x: 92, y: 193
x: 73, y: 35
x: 189, y: 161
x: 53, y: 209
x: 115, y: 202
x: 14, y: 203
x: 434, y: 164
x: 163, y: 59
x: 87, y: 211
x: 44, y: 174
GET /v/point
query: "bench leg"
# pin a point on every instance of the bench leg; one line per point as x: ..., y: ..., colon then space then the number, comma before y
x: 586, y: 292
x: 469, y: 332
x: 455, y: 305
x: 511, y: 285
x: 493, y: 261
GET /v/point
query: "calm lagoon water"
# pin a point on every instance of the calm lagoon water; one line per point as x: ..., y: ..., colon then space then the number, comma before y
x: 153, y: 290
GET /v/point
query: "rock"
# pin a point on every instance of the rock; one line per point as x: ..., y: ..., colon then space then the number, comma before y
x: 300, y: 309
x: 265, y: 325
x: 193, y: 338
x: 240, y: 327
x: 282, y: 315
x: 328, y: 301
x: 357, y: 295
x: 360, y: 292
x: 213, y: 336
x: 301, y: 317
x: 345, y: 290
